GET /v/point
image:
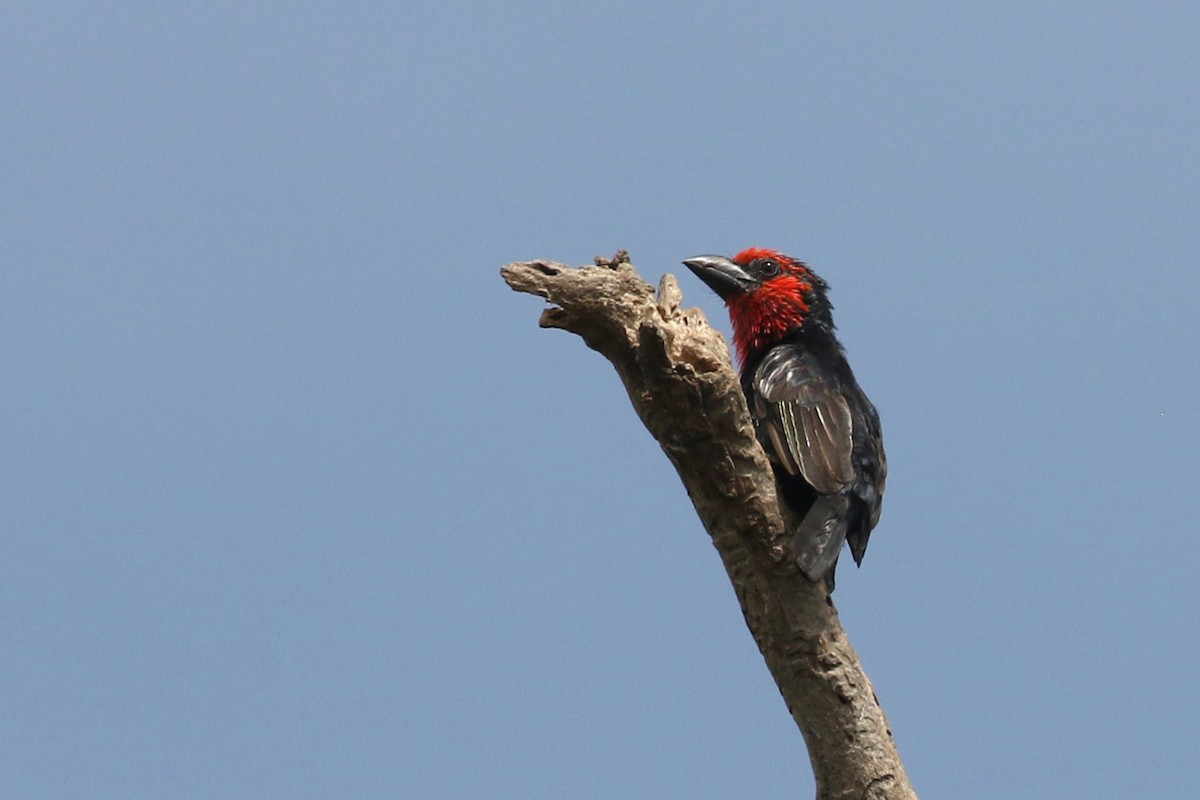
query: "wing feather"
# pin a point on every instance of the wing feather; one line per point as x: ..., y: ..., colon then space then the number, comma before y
x: 807, y: 420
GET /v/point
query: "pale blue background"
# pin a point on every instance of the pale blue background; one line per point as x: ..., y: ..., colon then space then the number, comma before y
x: 297, y: 502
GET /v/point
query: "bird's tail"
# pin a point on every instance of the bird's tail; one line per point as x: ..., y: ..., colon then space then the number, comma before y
x: 818, y: 540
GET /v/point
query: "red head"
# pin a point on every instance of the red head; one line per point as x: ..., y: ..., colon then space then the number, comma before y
x: 768, y: 294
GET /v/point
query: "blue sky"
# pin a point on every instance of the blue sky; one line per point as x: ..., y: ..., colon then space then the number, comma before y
x: 297, y: 501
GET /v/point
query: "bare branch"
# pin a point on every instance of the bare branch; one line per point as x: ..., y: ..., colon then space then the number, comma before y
x: 678, y: 373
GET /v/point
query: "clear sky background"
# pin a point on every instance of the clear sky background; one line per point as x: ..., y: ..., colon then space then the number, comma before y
x: 296, y: 501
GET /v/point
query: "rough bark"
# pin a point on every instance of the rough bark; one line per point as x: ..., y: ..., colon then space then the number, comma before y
x: 679, y: 375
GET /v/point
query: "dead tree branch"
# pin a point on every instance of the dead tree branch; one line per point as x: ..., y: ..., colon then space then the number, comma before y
x: 678, y: 373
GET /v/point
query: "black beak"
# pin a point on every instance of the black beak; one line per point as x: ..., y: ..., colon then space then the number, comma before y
x: 721, y: 275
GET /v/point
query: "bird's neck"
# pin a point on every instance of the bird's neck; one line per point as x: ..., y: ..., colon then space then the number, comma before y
x: 765, y: 317
x: 811, y: 331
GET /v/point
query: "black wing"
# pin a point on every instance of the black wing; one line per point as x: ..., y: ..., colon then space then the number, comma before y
x: 821, y: 428
x: 806, y: 418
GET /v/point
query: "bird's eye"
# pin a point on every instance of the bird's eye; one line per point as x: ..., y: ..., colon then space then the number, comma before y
x: 768, y: 267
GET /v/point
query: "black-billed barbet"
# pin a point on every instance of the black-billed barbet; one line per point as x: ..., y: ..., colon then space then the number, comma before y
x: 818, y: 427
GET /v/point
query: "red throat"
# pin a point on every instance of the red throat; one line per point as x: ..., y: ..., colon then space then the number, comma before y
x: 765, y: 315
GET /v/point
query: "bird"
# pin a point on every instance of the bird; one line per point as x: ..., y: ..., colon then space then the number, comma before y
x: 820, y: 431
